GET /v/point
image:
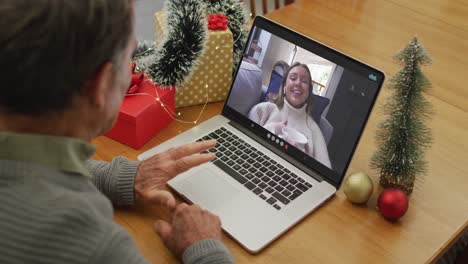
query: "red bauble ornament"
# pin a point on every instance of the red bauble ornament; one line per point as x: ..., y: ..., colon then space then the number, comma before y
x: 392, y: 203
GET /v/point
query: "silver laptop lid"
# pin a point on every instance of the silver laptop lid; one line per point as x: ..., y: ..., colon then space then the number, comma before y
x: 305, y: 101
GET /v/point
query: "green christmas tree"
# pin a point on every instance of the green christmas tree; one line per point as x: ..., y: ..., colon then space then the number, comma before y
x: 403, y: 136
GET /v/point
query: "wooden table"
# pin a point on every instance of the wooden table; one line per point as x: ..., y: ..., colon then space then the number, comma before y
x: 339, y: 232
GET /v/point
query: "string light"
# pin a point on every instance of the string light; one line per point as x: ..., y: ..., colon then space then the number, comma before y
x: 178, y: 114
x: 171, y: 114
x: 168, y: 111
x: 238, y: 37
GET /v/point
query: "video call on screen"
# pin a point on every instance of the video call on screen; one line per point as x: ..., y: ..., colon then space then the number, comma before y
x: 338, y: 98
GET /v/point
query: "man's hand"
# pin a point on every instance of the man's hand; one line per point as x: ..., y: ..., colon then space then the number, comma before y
x: 153, y: 173
x: 189, y: 225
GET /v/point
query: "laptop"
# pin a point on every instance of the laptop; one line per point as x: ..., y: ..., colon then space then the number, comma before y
x: 276, y: 163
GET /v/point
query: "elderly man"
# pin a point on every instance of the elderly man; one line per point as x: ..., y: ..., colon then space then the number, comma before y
x: 65, y: 70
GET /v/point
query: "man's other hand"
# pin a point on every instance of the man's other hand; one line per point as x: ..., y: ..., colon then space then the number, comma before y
x: 189, y: 225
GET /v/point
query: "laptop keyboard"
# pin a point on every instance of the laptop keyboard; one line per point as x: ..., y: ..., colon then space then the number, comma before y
x: 257, y: 172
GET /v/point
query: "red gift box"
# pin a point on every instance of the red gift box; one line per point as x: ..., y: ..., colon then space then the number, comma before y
x: 141, y: 115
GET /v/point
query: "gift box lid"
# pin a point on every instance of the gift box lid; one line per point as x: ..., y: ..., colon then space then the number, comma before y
x: 135, y: 104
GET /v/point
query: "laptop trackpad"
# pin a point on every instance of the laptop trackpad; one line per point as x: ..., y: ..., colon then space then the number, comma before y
x: 207, y: 189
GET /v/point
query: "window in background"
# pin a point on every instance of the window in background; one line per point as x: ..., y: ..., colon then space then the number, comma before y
x: 321, y: 74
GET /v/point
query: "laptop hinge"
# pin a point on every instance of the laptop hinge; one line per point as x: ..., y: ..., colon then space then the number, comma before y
x: 283, y: 155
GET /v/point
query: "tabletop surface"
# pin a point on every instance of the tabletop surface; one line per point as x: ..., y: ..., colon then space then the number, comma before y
x: 340, y: 232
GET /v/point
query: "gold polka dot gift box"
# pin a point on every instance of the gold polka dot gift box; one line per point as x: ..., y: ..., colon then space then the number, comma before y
x: 211, y: 79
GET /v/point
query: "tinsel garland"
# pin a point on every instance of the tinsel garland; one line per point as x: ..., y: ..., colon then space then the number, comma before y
x: 185, y: 43
x: 174, y: 60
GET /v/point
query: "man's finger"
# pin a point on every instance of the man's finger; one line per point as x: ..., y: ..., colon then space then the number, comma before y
x: 181, y: 207
x: 163, y: 229
x: 192, y: 148
x: 189, y: 162
x: 163, y: 198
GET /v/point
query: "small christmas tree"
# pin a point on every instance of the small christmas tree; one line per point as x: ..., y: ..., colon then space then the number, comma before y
x: 403, y: 136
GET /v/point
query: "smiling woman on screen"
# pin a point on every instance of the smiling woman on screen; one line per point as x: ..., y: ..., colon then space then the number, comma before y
x: 288, y: 114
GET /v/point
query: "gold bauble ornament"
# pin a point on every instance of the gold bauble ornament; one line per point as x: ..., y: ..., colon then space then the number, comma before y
x: 358, y: 187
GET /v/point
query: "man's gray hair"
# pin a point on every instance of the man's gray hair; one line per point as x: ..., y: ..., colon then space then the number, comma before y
x: 49, y: 49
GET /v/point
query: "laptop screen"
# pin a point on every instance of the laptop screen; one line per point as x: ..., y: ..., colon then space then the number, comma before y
x: 304, y: 99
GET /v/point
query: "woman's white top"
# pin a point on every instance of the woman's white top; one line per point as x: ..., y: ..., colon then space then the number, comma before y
x: 269, y: 115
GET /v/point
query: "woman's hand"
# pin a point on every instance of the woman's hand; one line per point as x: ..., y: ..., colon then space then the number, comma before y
x: 277, y: 127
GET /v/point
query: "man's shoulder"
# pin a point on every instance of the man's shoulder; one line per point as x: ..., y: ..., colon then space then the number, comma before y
x: 51, y: 201
x: 49, y: 220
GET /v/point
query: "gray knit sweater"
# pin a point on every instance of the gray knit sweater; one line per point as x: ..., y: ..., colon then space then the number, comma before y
x: 51, y: 212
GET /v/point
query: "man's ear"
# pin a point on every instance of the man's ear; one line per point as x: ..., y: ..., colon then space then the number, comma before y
x: 97, y: 88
